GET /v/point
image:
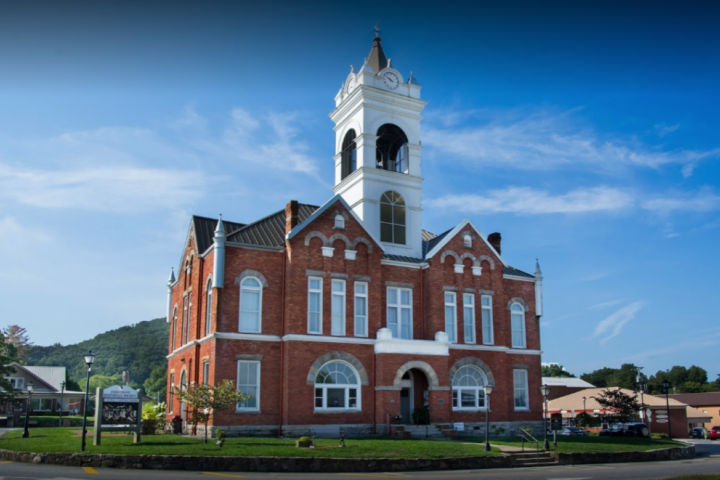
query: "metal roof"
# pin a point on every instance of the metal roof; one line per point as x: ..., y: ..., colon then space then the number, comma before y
x: 268, y: 231
x: 205, y: 230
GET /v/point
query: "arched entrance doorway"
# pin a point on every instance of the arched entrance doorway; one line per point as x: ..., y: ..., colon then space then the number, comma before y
x: 415, y: 380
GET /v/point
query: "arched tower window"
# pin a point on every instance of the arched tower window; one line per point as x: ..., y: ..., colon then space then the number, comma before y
x: 392, y: 218
x: 348, y: 154
x: 392, y: 149
x: 337, y: 386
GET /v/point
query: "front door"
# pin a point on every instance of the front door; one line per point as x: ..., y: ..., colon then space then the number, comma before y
x: 405, y: 407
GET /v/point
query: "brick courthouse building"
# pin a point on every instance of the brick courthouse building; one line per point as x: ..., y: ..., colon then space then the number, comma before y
x: 350, y: 315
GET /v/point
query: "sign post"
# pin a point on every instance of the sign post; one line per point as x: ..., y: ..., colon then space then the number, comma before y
x: 117, y: 408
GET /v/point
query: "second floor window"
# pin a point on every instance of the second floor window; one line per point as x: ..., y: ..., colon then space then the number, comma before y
x: 361, y: 309
x: 250, y: 305
x: 337, y: 312
x: 399, y: 312
x: 517, y: 325
x: 451, y: 317
x: 487, y: 320
x: 469, y: 317
x: 315, y: 305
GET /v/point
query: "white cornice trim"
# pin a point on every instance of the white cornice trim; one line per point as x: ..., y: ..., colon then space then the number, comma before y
x: 246, y: 336
x: 518, y: 278
x: 398, y: 263
x: 295, y: 337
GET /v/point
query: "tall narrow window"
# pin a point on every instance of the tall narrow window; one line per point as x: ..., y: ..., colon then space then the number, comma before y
x: 208, y: 307
x: 250, y: 305
x: 248, y: 382
x: 361, y: 308
x: 183, y: 324
x: 399, y: 312
x: 173, y: 328
x: 487, y: 320
x: 517, y: 325
x: 520, y: 388
x: 171, y: 392
x: 451, y: 316
x: 392, y: 218
x: 315, y: 305
x: 337, y: 313
x: 206, y: 373
x: 469, y: 317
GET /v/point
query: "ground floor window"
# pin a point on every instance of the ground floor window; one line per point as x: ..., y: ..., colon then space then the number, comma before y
x: 468, y: 388
x: 248, y: 382
x: 520, y: 388
x: 337, y: 387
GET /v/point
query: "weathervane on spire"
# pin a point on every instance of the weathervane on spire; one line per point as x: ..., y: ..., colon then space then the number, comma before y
x: 377, y: 31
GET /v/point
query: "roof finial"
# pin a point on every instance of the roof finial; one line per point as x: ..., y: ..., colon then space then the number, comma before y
x: 377, y: 31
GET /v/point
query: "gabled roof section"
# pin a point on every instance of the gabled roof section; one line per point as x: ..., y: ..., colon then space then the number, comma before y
x: 447, y: 236
x: 204, y: 228
x: 269, y: 231
x: 701, y: 399
x: 38, y: 375
x: 430, y: 240
x: 302, y: 223
x: 515, y: 272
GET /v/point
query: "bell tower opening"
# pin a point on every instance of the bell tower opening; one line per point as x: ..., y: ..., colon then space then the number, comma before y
x: 349, y: 154
x: 391, y: 151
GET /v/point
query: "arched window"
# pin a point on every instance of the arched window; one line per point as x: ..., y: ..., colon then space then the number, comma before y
x: 250, y: 305
x: 208, y: 307
x: 183, y: 388
x: 337, y: 387
x: 392, y: 218
x: 391, y: 149
x: 173, y: 327
x: 468, y: 388
x: 348, y: 154
x: 517, y: 325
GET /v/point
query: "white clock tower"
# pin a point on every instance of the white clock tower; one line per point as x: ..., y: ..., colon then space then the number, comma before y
x: 377, y: 152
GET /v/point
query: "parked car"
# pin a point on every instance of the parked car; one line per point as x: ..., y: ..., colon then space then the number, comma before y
x: 714, y: 433
x: 630, y: 429
x: 697, y: 432
x: 572, y: 431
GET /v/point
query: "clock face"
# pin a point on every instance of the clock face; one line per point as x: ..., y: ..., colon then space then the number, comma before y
x: 391, y: 80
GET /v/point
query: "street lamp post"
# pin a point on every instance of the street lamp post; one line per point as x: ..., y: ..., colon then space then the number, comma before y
x: 641, y: 387
x: 488, y: 391
x: 545, y: 390
x: 26, y: 432
x: 62, y: 393
x: 89, y: 359
x: 666, y: 388
x: 584, y: 408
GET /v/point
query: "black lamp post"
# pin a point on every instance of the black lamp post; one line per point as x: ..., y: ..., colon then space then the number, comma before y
x: 26, y: 432
x: 545, y: 390
x: 89, y: 359
x: 60, y: 407
x: 666, y: 388
x: 488, y: 391
x: 641, y: 387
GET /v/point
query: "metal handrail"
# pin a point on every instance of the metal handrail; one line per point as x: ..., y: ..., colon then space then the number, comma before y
x: 526, y: 436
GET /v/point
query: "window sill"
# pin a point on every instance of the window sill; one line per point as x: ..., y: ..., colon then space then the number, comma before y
x: 336, y: 410
x: 522, y: 409
x: 239, y: 410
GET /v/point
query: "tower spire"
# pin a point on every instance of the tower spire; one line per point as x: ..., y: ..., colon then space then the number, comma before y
x: 377, y: 59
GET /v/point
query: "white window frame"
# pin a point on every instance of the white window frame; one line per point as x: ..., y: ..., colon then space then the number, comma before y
x: 251, y: 288
x: 399, y: 307
x: 173, y: 332
x: 451, y: 315
x: 208, y: 306
x: 18, y: 383
x: 487, y: 320
x: 337, y: 312
x: 520, y: 389
x: 184, y: 325
x: 361, y: 321
x: 171, y: 395
x: 469, y: 317
x: 347, y: 387
x: 319, y: 292
x: 256, y: 398
x: 478, y: 392
x: 517, y: 325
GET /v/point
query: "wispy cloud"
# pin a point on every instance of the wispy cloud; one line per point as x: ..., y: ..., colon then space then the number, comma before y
x: 601, y: 305
x: 526, y: 200
x: 611, y: 326
x: 546, y: 140
x: 703, y: 201
x: 699, y: 340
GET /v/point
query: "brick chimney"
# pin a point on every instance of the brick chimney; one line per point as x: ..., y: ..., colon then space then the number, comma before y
x: 494, y: 239
x: 291, y: 215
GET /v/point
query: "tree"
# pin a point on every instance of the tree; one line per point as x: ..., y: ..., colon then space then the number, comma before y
x: 624, y: 377
x: 155, y: 384
x: 17, y: 336
x: 623, y: 407
x: 555, y: 370
x: 8, y: 354
x: 203, y: 400
x: 103, y: 381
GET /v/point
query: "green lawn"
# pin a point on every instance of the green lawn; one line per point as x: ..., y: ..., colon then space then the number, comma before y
x: 67, y: 440
x: 594, y: 443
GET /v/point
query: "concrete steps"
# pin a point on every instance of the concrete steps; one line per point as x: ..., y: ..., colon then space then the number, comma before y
x: 533, y: 459
x: 416, y: 431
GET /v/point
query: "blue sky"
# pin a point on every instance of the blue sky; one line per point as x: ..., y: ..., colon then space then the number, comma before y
x: 584, y: 132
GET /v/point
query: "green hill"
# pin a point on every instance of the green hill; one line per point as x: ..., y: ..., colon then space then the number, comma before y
x: 137, y: 348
